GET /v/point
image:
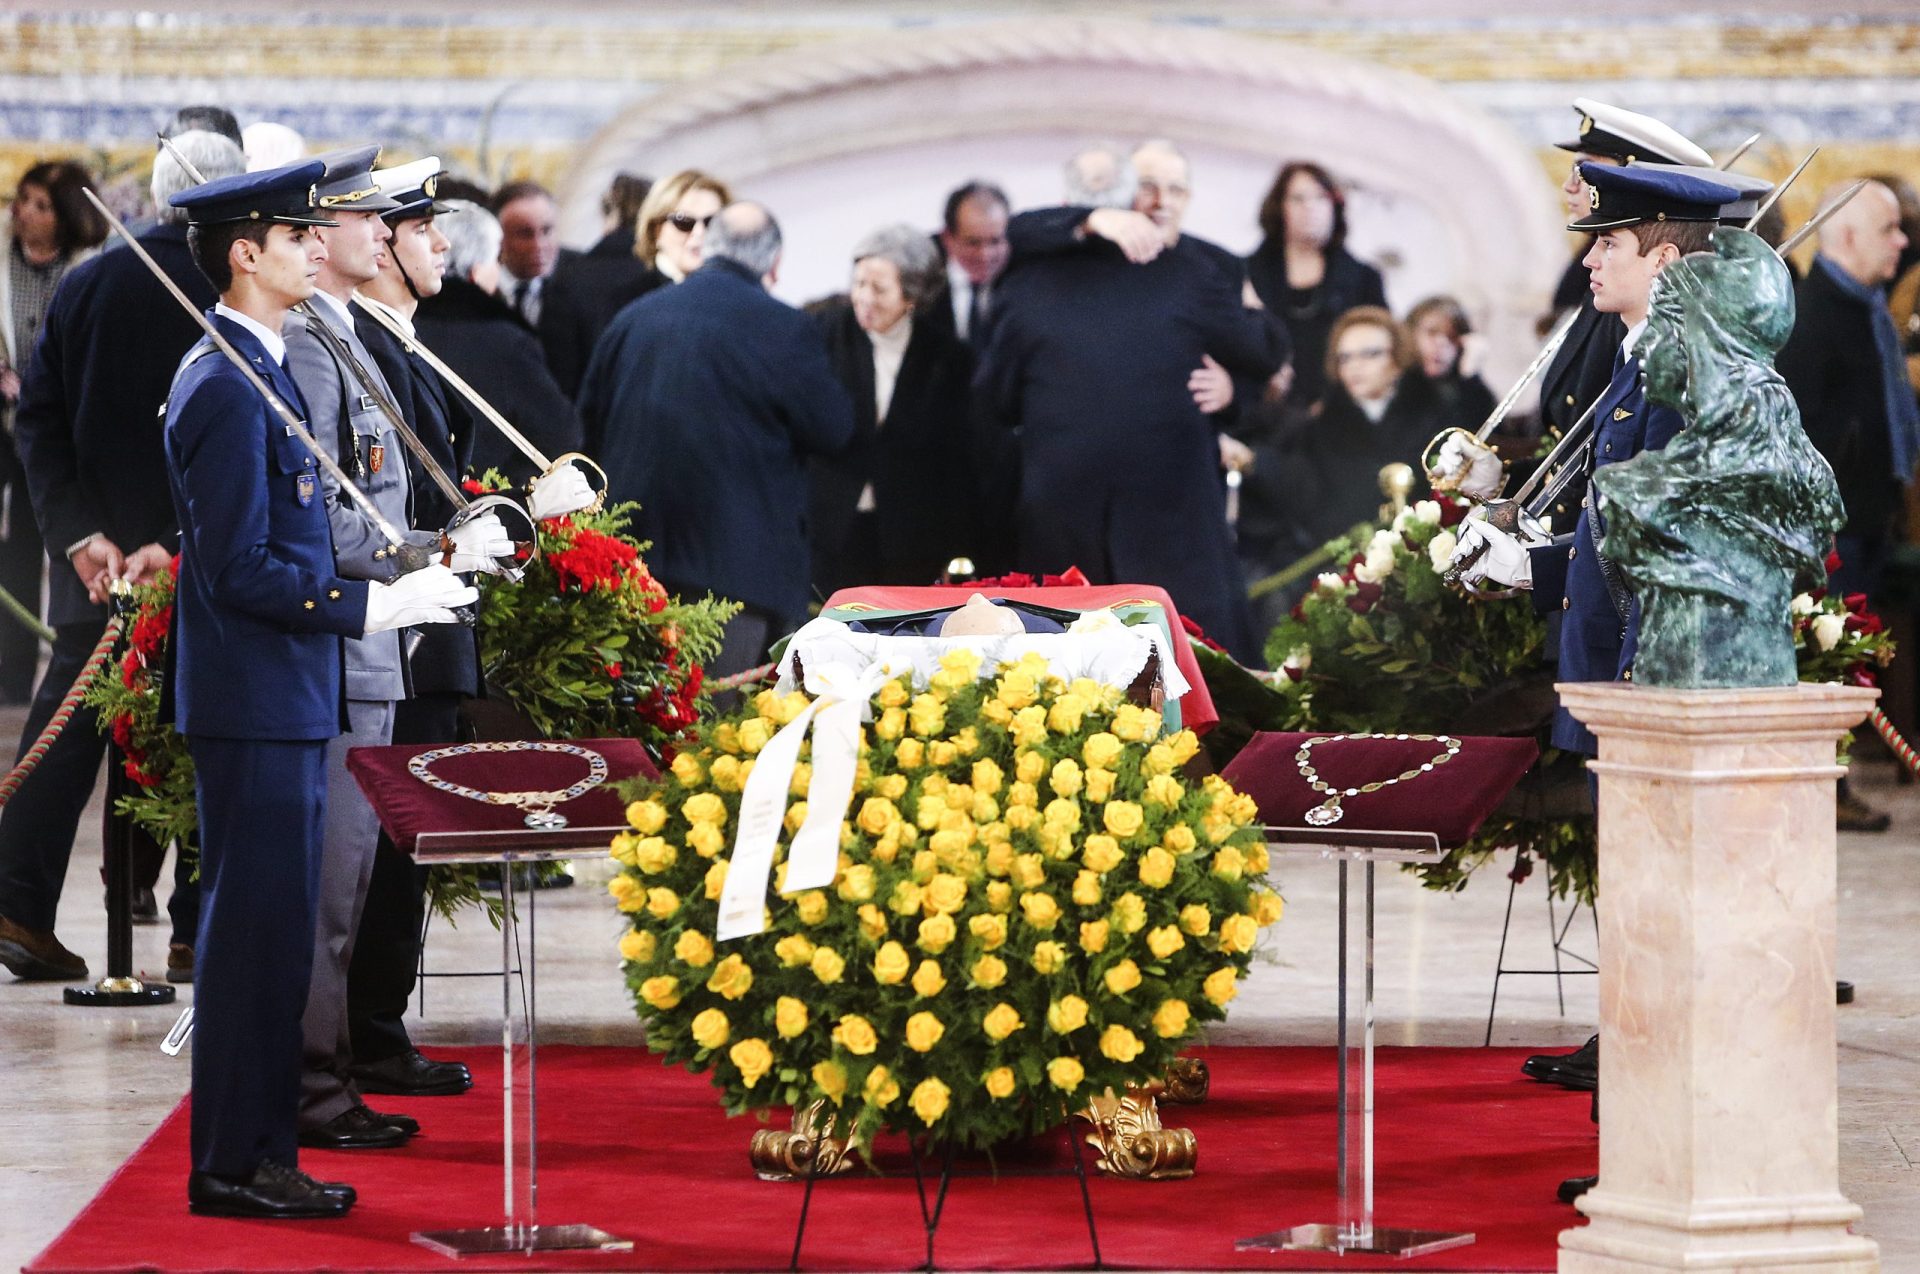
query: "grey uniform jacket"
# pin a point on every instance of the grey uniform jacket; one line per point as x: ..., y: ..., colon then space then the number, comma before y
x: 347, y: 422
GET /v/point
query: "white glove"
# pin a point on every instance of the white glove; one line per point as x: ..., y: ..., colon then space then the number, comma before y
x: 1471, y: 467
x: 425, y: 596
x: 1486, y: 554
x: 554, y: 495
x: 478, y: 544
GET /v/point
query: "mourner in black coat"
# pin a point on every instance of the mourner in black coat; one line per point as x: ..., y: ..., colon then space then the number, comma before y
x: 1120, y: 471
x: 703, y: 401
x: 582, y: 296
x: 492, y: 350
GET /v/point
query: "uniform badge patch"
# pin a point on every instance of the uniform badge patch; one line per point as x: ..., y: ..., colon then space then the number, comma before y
x: 376, y: 456
x: 1619, y: 413
x: 306, y: 486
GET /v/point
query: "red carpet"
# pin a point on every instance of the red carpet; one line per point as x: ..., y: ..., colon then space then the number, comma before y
x: 1463, y: 1142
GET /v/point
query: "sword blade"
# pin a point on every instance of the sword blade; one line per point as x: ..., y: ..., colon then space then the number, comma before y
x: 1575, y: 436
x: 1799, y: 236
x: 1555, y: 340
x: 1779, y: 190
x: 1738, y: 151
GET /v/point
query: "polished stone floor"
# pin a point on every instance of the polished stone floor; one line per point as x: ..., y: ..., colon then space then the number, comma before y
x: 85, y: 1086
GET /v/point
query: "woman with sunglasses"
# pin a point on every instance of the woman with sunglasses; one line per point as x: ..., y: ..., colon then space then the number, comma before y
x: 666, y: 244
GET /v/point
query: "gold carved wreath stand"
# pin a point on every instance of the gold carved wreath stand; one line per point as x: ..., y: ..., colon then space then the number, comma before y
x: 1127, y: 1133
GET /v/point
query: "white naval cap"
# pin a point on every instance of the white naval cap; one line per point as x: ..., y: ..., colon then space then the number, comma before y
x: 1630, y: 137
x: 412, y: 187
x: 1752, y: 189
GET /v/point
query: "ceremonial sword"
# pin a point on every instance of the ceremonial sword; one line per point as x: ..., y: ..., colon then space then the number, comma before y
x: 410, y: 557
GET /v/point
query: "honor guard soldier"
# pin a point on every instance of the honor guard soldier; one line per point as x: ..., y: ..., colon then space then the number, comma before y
x: 256, y: 687
x: 350, y: 401
x: 1609, y: 137
x: 1643, y: 219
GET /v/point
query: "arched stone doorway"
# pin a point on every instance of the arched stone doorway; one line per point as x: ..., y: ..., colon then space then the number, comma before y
x: 840, y: 138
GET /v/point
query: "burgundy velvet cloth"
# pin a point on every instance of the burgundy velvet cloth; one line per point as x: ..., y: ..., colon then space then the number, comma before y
x: 408, y: 807
x: 1450, y: 800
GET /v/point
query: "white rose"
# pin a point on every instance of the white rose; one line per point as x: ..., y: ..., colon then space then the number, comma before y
x: 1300, y: 658
x: 1427, y: 511
x: 1440, y: 550
x: 1827, y: 630
x: 1802, y: 606
x: 1383, y: 541
x: 1329, y: 581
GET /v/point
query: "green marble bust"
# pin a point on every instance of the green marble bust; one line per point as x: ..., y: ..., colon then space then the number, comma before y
x: 1716, y: 532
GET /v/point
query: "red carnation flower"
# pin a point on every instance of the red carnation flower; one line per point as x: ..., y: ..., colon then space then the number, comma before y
x: 1833, y: 561
x: 614, y: 669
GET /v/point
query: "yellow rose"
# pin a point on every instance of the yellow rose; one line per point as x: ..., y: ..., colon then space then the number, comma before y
x: 936, y: 933
x: 893, y: 786
x: 1164, y: 789
x: 1185, y: 745
x: 1048, y: 957
x: 928, y: 981
x: 1170, y: 1019
x: 789, y: 1016
x: 1093, y: 936
x: 1001, y: 1021
x: 1029, y: 766
x: 1065, y: 778
x: 962, y: 662
x: 1164, y: 941
x: 1101, y: 750
x: 927, y: 716
x: 1040, y: 910
x: 1099, y: 785
x: 661, y: 993
x: 1064, y: 717
x: 1122, y: 977
x: 946, y: 893
x: 1156, y: 868
x: 726, y: 774
x: 894, y: 694
x: 877, y: 814
x: 662, y: 903
x: 1065, y: 1073
x: 1120, y: 1044
x: 905, y: 899
x: 984, y: 810
x: 692, y: 947
x: 1055, y: 842
x: 1101, y: 853
x: 1086, y: 889
x: 941, y: 753
x: 1267, y: 907
x: 855, y: 1034
x: 1122, y: 818
x: 686, y: 768
x: 987, y: 777
x: 811, y: 907
x: 1022, y: 795
x: 1237, y: 934
x: 892, y: 723
x: 1029, y: 871
x: 999, y: 1082
x: 1135, y: 724
x: 929, y: 1100
x: 828, y: 964
x: 1066, y: 1015
x: 923, y: 1031
x: 999, y: 896
x: 990, y: 930
x: 1017, y: 688
x: 754, y: 1059
x: 831, y: 1078
x: 646, y: 817
x: 705, y: 839
x: 1129, y: 913
x: 1243, y: 809
x: 890, y: 964
x: 1256, y: 858
x: 989, y: 971
x: 754, y: 733
x: 1228, y: 864
x: 1221, y: 985
x: 794, y: 951
x: 637, y: 945
x: 624, y: 888
x: 887, y: 848
x: 710, y: 1028
x: 731, y: 978
x: 1029, y: 726
x: 621, y: 851
x: 873, y: 923
x: 1196, y: 919
x: 653, y: 855
x: 881, y: 1089
x: 1179, y: 839
x: 705, y: 807
x: 1064, y: 814
x: 856, y: 883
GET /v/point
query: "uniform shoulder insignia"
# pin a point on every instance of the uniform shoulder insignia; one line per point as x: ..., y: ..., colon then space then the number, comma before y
x: 1621, y: 413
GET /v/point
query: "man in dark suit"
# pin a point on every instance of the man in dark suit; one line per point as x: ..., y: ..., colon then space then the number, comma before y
x: 973, y: 242
x: 256, y: 686
x: 88, y: 431
x: 530, y: 248
x: 1120, y: 471
x: 703, y: 401
x: 471, y: 328
x: 586, y: 290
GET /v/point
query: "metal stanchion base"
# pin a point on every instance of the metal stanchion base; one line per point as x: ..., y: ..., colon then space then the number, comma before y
x: 497, y: 1239
x: 1383, y: 1241
x: 118, y: 993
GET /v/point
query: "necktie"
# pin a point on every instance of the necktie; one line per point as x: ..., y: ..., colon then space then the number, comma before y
x: 977, y: 313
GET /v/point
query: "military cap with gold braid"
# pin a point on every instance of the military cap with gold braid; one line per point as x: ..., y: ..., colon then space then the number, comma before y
x: 1630, y: 137
x: 412, y: 187
x: 349, y: 185
x: 1628, y: 196
x: 286, y: 195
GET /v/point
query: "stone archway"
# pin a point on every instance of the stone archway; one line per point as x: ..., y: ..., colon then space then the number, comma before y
x: 841, y: 137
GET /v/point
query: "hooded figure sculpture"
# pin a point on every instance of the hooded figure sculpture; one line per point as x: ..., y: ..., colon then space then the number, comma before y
x: 1715, y: 532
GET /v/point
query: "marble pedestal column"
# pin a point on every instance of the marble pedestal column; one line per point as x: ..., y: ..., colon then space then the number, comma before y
x: 1718, y: 1134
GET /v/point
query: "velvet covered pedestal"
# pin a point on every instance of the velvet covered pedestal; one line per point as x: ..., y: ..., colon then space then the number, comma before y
x: 1719, y: 1144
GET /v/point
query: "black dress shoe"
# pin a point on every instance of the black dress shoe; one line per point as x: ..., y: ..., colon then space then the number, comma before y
x: 338, y: 1189
x: 1579, y: 1070
x: 1573, y: 1187
x: 274, y: 1192
x: 405, y: 1123
x: 356, y: 1128
x: 409, y: 1074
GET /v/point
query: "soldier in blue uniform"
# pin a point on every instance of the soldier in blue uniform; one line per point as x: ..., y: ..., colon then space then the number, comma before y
x: 257, y: 686
x: 1643, y: 220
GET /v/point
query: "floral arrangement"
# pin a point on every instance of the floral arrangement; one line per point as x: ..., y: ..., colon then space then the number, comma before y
x: 587, y: 644
x: 1838, y: 638
x: 1033, y: 904
x: 126, y: 693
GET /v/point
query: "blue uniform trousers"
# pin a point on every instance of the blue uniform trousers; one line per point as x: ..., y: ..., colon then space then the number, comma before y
x: 262, y: 803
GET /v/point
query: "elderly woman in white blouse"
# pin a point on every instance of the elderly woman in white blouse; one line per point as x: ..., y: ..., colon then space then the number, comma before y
x: 899, y: 503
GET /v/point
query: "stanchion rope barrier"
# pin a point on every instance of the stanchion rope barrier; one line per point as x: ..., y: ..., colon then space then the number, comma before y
x: 30, y: 760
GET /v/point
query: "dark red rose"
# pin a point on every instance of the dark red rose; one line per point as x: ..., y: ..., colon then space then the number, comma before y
x: 1365, y: 597
x: 1452, y: 512
x: 1833, y: 561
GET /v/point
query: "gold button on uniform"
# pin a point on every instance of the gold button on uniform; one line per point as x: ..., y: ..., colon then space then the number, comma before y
x: 1569, y: 400
x: 1573, y: 552
x: 1627, y: 675
x: 1565, y: 602
x: 333, y: 594
x: 308, y: 603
